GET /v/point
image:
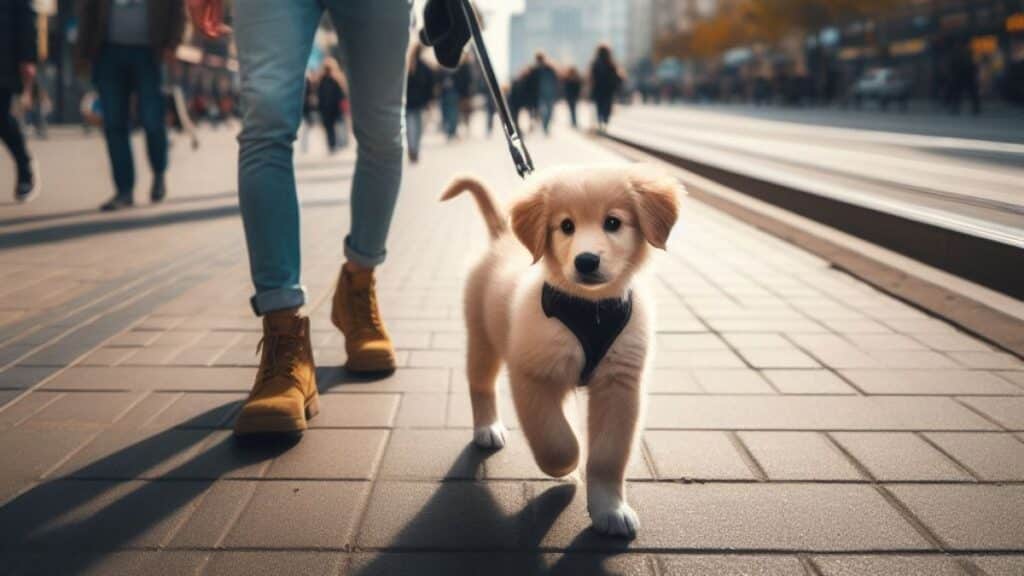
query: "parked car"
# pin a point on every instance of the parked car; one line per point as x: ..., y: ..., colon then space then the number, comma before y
x: 883, y: 85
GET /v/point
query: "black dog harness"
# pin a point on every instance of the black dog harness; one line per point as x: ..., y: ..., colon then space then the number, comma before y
x: 596, y: 325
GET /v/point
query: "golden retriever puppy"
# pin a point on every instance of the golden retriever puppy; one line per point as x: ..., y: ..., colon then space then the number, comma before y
x: 578, y: 318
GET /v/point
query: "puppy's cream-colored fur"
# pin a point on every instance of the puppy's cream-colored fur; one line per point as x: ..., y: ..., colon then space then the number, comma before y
x: 505, y: 320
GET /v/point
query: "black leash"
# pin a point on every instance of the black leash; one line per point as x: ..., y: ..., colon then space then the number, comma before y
x: 516, y: 146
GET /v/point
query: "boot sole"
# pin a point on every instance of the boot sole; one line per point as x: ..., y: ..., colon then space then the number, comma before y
x: 277, y: 425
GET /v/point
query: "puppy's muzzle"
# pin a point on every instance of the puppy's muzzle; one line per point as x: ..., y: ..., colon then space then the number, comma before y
x: 587, y: 264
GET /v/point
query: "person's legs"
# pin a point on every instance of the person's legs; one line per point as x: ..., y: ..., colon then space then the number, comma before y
x: 274, y: 40
x: 375, y: 36
x: 151, y: 108
x: 114, y: 83
x: 10, y: 133
x: 330, y: 128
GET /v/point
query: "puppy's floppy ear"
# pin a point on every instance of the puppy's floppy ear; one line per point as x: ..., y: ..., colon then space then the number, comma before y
x: 657, y: 206
x: 530, y: 222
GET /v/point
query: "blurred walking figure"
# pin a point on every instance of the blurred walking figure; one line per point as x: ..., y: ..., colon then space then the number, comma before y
x: 963, y: 76
x: 125, y: 41
x: 449, y: 105
x: 419, y: 93
x: 17, y: 69
x: 465, y: 85
x: 332, y: 96
x: 573, y: 84
x: 605, y: 81
x: 546, y: 81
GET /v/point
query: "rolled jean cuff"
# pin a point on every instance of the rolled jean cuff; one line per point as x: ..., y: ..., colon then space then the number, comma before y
x: 362, y: 258
x: 278, y: 299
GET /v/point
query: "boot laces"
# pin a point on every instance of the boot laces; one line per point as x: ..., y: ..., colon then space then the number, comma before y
x: 283, y: 356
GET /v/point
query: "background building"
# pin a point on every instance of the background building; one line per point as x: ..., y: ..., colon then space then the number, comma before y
x: 568, y: 30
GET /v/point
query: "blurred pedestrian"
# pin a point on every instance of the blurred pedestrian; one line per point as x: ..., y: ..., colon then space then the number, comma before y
x: 449, y: 104
x: 274, y: 41
x: 964, y: 76
x: 573, y: 84
x: 332, y: 94
x: 465, y: 86
x: 17, y: 70
x: 419, y: 92
x: 605, y: 81
x: 309, y: 106
x: 546, y: 80
x: 125, y: 42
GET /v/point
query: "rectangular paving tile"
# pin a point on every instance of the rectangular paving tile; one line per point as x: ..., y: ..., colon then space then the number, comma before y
x: 933, y: 382
x: 900, y: 456
x: 1007, y: 411
x: 690, y: 342
x: 474, y: 515
x: 293, y: 514
x: 979, y: 517
x: 730, y: 565
x: 460, y: 410
x: 778, y: 358
x: 685, y: 455
x: 515, y: 461
x: 454, y: 563
x: 144, y: 563
x: 86, y: 409
x: 750, y: 516
x: 331, y: 454
x: 153, y: 378
x: 213, y: 514
x: 742, y: 381
x: 672, y: 381
x: 195, y: 410
x: 432, y: 454
x: 127, y: 454
x: 834, y: 351
x: 26, y: 453
x: 807, y: 382
x: 812, y: 413
x: 995, y: 456
x: 988, y: 360
x: 798, y: 456
x: 259, y: 563
x: 1008, y: 565
x: 698, y: 359
x: 422, y: 410
x: 356, y: 411
x: 920, y: 565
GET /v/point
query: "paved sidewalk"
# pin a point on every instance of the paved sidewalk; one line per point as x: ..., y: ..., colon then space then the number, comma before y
x: 799, y: 421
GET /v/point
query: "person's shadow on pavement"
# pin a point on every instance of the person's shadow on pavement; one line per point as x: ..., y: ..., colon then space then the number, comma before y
x: 56, y: 528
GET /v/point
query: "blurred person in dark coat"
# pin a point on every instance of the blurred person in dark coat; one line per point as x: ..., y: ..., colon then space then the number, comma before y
x: 331, y: 95
x: 418, y: 94
x: 605, y: 81
x: 125, y: 42
x: 573, y: 84
x: 17, y: 70
x: 545, y: 78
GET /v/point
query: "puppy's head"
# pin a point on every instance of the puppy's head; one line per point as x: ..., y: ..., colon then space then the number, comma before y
x: 592, y: 226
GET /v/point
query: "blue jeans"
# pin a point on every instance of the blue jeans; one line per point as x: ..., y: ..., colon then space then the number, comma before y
x: 274, y: 40
x: 118, y: 72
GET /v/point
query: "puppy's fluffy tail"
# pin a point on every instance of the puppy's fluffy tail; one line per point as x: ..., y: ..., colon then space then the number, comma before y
x: 493, y: 216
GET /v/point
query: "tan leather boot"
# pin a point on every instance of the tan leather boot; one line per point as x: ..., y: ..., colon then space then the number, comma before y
x: 284, y: 395
x: 355, y: 313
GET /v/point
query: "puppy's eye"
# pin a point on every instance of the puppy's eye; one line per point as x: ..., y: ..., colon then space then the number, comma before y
x: 568, y: 227
x: 612, y: 224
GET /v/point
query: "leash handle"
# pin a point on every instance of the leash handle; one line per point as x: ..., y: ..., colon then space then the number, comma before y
x: 516, y: 146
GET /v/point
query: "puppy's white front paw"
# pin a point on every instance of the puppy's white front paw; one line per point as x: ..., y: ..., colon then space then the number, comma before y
x: 490, y: 437
x: 619, y: 520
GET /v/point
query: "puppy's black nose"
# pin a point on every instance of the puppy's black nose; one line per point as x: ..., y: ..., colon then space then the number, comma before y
x: 587, y: 262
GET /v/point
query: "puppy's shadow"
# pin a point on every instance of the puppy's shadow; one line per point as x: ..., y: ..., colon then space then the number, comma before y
x: 473, y: 527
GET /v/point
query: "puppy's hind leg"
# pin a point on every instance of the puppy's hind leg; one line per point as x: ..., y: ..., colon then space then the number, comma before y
x: 482, y: 365
x: 614, y: 409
